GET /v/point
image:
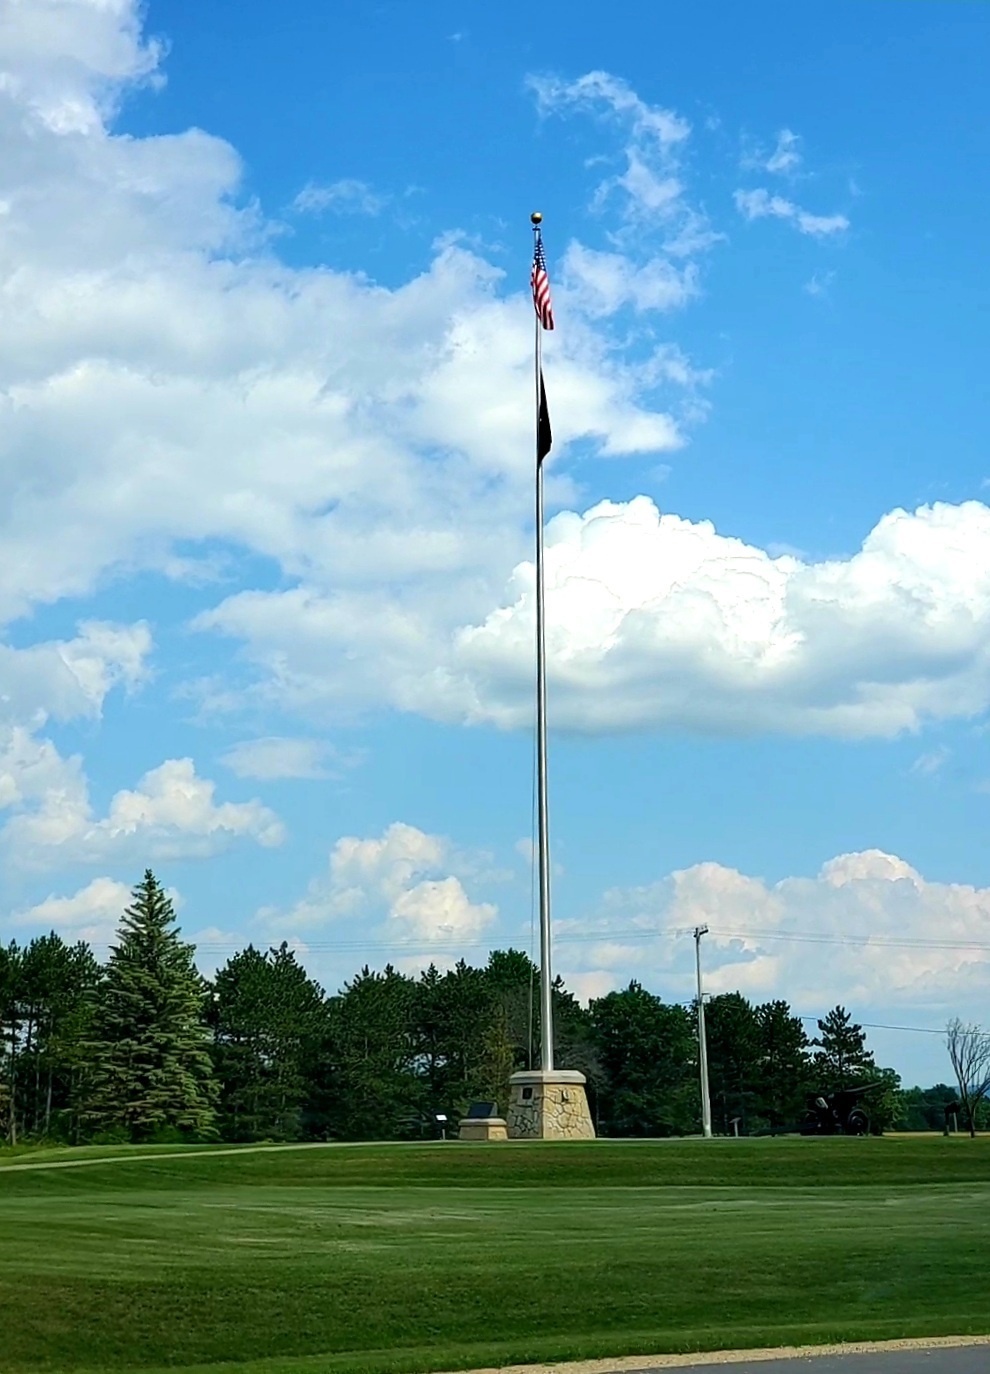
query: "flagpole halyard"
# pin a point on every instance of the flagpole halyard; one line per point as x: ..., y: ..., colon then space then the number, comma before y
x: 543, y: 820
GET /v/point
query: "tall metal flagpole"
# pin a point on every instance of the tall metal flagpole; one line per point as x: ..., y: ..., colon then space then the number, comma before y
x: 544, y: 1103
x: 543, y: 827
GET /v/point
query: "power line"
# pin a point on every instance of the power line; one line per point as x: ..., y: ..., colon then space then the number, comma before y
x: 883, y: 941
x: 454, y: 945
x: 879, y: 1025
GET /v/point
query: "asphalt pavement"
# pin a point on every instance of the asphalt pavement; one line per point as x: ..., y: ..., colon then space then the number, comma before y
x: 971, y: 1359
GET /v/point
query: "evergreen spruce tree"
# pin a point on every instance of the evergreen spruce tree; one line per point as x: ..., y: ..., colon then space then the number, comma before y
x: 151, y: 1069
x: 11, y: 980
x: 269, y: 1019
x: 648, y: 1056
x: 369, y: 1085
x: 497, y: 1056
x: 785, y: 1076
x: 58, y: 983
x: 733, y: 1059
x: 841, y: 1058
x: 515, y: 982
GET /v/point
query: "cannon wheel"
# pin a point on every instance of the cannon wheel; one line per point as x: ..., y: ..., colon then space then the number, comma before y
x: 857, y: 1123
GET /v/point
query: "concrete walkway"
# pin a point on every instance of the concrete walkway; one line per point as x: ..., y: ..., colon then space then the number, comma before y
x: 934, y: 1355
x: 970, y: 1359
x: 189, y: 1152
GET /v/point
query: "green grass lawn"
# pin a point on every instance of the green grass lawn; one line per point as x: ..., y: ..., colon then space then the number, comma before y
x: 415, y: 1258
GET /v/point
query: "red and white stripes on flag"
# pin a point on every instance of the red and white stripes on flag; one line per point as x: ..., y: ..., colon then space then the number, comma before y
x: 541, y: 285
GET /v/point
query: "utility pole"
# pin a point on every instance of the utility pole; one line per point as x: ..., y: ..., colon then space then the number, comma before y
x: 706, y: 1106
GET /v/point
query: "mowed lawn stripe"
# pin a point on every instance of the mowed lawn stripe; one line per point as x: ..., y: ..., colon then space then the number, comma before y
x: 781, y: 1162
x: 376, y: 1277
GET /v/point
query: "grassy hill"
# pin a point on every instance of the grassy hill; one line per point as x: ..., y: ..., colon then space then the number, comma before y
x: 416, y: 1258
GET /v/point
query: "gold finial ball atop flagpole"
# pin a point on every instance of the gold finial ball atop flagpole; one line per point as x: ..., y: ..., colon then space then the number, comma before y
x: 536, y: 217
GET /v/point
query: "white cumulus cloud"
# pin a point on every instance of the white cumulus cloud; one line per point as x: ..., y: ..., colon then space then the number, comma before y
x: 172, y: 813
x: 68, y: 60
x: 398, y: 883
x: 91, y: 914
x: 33, y: 771
x: 70, y: 679
x: 655, y: 620
x: 868, y: 931
x: 168, y: 387
x: 166, y: 383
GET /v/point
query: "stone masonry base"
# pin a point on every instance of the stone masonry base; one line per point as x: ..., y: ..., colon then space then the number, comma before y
x: 482, y: 1128
x: 548, y: 1105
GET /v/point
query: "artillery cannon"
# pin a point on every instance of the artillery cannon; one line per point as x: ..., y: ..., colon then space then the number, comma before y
x: 840, y: 1113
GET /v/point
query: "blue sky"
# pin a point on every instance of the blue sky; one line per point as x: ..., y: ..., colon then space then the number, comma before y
x: 266, y: 451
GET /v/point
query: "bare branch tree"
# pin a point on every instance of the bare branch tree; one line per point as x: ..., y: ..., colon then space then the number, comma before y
x: 969, y: 1051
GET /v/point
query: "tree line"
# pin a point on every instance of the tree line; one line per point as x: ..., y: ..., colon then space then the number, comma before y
x: 144, y: 1048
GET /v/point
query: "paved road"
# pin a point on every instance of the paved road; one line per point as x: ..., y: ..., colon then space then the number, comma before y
x: 974, y: 1359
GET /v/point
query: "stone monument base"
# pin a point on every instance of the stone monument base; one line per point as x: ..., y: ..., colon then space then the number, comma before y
x: 548, y: 1104
x: 482, y: 1128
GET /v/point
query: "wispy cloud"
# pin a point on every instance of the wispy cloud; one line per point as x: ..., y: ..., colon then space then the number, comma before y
x: 656, y: 233
x: 345, y: 197
x: 650, y: 190
x: 276, y: 757
x: 931, y: 762
x: 601, y: 91
x: 786, y: 157
x: 761, y: 204
x: 819, y: 283
x: 607, y: 281
x: 785, y: 160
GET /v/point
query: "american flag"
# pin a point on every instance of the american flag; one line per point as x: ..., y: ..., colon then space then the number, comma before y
x: 541, y: 285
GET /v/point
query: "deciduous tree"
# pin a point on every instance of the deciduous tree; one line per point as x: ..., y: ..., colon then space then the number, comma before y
x: 969, y: 1053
